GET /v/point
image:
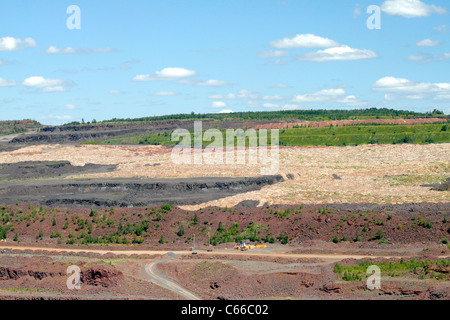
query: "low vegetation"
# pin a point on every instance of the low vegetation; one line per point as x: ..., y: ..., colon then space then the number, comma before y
x: 421, y: 269
x: 320, y: 136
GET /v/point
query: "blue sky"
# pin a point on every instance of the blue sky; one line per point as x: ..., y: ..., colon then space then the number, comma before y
x: 144, y: 58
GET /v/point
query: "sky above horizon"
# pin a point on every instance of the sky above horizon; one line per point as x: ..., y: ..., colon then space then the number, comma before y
x: 144, y: 58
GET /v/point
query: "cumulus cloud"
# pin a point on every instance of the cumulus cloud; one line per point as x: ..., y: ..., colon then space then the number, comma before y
x: 281, y: 86
x: 7, y: 83
x: 240, y: 95
x: 304, y: 41
x: 271, y: 106
x: 351, y: 101
x: 410, y: 8
x: 337, y: 95
x: 116, y: 91
x: 56, y: 119
x: 276, y: 97
x: 428, y: 43
x: 13, y: 44
x: 340, y: 53
x: 288, y: 107
x: 218, y: 104
x: 320, y: 96
x: 69, y: 107
x: 443, y: 28
x: 211, y: 83
x: 44, y: 85
x: 426, y: 58
x: 409, y: 89
x: 226, y: 111
x: 126, y: 65
x: 4, y: 62
x: 273, y: 54
x: 166, y: 74
x: 164, y: 93
x: 70, y: 50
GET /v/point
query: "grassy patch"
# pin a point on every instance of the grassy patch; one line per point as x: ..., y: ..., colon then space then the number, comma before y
x: 416, y: 180
x: 357, y: 272
x: 323, y: 136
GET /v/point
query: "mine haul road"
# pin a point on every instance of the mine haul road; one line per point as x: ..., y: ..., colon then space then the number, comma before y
x: 160, y: 279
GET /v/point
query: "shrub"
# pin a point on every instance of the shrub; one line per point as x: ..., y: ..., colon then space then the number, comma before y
x: 180, y: 231
x: 166, y: 207
x: 283, y: 238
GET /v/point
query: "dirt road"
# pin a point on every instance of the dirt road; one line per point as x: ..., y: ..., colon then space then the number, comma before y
x: 329, y: 257
x: 161, y: 280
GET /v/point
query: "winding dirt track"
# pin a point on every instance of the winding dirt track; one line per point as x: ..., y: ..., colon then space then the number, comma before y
x: 161, y: 280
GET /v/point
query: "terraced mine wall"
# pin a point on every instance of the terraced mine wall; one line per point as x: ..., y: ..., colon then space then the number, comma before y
x: 128, y: 192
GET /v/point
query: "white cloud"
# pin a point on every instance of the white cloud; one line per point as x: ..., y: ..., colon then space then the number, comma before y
x: 357, y: 12
x: 212, y: 83
x: 218, y: 104
x: 166, y: 74
x: 7, y: 83
x: 441, y: 29
x: 291, y: 107
x: 226, y: 111
x: 443, y: 97
x: 229, y: 96
x: 410, y: 8
x: 116, y: 92
x: 12, y: 44
x: 70, y: 50
x: 340, y: 53
x: 164, y: 93
x: 126, y: 65
x: 240, y: 95
x: 273, y: 54
x: 270, y: 106
x: 304, y: 41
x: 279, y: 62
x: 320, y: 96
x: 69, y: 107
x: 44, y: 85
x: 351, y: 101
x: 428, y: 43
x: 247, y: 94
x: 55, y: 118
x: 281, y: 86
x: 426, y: 58
x: 4, y: 62
x: 395, y: 87
x: 54, y: 50
x: 277, y: 97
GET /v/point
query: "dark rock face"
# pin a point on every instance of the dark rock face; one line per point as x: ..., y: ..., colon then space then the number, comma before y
x: 14, y: 274
x: 129, y: 192
x: 48, y: 169
x: 93, y: 276
x: 101, y: 277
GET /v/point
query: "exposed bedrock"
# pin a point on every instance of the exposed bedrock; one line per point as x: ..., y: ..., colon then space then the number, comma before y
x: 128, y: 192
